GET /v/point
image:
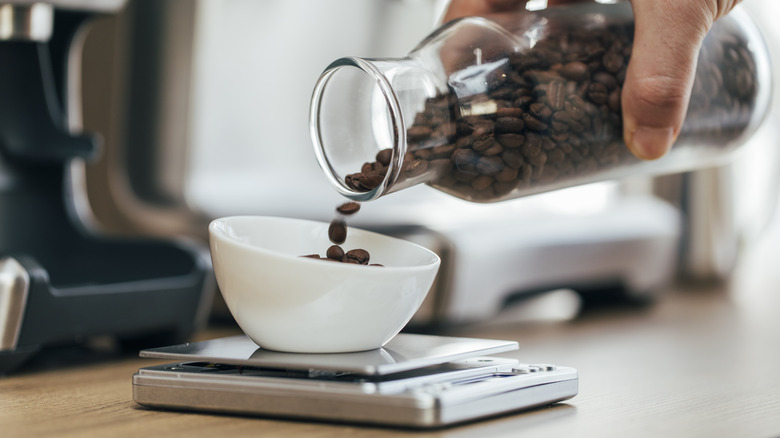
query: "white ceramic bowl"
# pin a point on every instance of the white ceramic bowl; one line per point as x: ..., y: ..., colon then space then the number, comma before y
x: 286, y: 302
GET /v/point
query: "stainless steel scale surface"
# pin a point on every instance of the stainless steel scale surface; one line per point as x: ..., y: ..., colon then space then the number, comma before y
x: 415, y: 380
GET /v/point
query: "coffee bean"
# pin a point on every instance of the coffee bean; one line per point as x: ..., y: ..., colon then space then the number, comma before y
x: 556, y: 156
x: 337, y: 231
x: 483, y: 142
x: 556, y: 94
x: 465, y: 160
x: 417, y: 133
x: 422, y: 154
x: 614, y: 100
x: 384, y: 156
x: 348, y: 208
x: 540, y: 111
x: 605, y: 79
x: 489, y: 165
x: 416, y: 168
x: 523, y: 101
x: 531, y: 149
x: 464, y: 177
x: 526, y: 173
x: 443, y: 151
x: 351, y: 181
x: 613, y: 60
x: 335, y: 252
x: 575, y: 107
x: 482, y: 128
x: 575, y: 70
x: 533, y: 123
x: 538, y: 159
x: 360, y: 256
x: 532, y: 140
x: 539, y: 91
x: 482, y: 182
x: 510, y: 124
x: 510, y: 140
x: 598, y: 93
x: 445, y: 130
x: 509, y: 112
x: 513, y: 158
x: 440, y: 166
x: 507, y: 174
x: 541, y: 76
x: 364, y: 181
x: 496, y: 149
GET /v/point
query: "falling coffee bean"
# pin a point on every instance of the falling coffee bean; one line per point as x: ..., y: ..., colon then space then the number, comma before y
x: 348, y: 208
x: 337, y: 231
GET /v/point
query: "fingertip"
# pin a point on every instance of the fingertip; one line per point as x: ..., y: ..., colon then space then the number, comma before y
x: 647, y: 142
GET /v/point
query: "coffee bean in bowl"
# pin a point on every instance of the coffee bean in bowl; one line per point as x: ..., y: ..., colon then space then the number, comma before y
x: 286, y: 302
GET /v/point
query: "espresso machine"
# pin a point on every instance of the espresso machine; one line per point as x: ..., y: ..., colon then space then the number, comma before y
x: 61, y: 281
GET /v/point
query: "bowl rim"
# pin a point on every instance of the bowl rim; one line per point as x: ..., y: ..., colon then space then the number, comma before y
x: 217, y: 233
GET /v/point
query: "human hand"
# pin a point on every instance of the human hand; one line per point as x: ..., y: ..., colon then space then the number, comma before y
x: 659, y: 79
x: 668, y: 36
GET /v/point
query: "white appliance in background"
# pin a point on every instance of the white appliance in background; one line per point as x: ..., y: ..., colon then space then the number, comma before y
x: 627, y: 249
x: 227, y: 134
x: 502, y: 261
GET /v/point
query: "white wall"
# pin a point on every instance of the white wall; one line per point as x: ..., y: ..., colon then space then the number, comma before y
x: 255, y: 66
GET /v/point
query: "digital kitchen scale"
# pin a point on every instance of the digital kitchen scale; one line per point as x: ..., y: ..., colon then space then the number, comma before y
x: 413, y: 381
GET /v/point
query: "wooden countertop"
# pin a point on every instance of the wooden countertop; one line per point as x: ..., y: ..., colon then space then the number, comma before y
x: 699, y: 362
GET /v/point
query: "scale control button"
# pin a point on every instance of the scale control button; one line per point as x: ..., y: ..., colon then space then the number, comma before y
x: 435, y: 388
x: 534, y: 368
x: 545, y: 366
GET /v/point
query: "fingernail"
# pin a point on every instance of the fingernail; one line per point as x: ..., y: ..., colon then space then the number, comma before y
x: 648, y: 143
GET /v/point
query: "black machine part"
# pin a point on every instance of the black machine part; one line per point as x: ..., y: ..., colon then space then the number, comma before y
x: 61, y: 281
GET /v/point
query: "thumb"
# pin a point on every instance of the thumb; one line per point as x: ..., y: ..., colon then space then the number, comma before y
x: 667, y: 38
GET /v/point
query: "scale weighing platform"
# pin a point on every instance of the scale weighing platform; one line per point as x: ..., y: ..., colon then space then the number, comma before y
x: 413, y: 381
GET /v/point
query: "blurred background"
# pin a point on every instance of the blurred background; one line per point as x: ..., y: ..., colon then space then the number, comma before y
x: 204, y: 103
x: 201, y: 107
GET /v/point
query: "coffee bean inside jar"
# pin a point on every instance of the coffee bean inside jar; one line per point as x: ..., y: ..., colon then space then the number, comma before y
x: 550, y: 115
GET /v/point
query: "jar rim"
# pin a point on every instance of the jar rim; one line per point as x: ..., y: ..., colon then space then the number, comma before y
x: 397, y: 129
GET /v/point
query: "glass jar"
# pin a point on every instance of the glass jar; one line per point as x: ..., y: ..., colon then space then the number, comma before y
x: 522, y: 103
